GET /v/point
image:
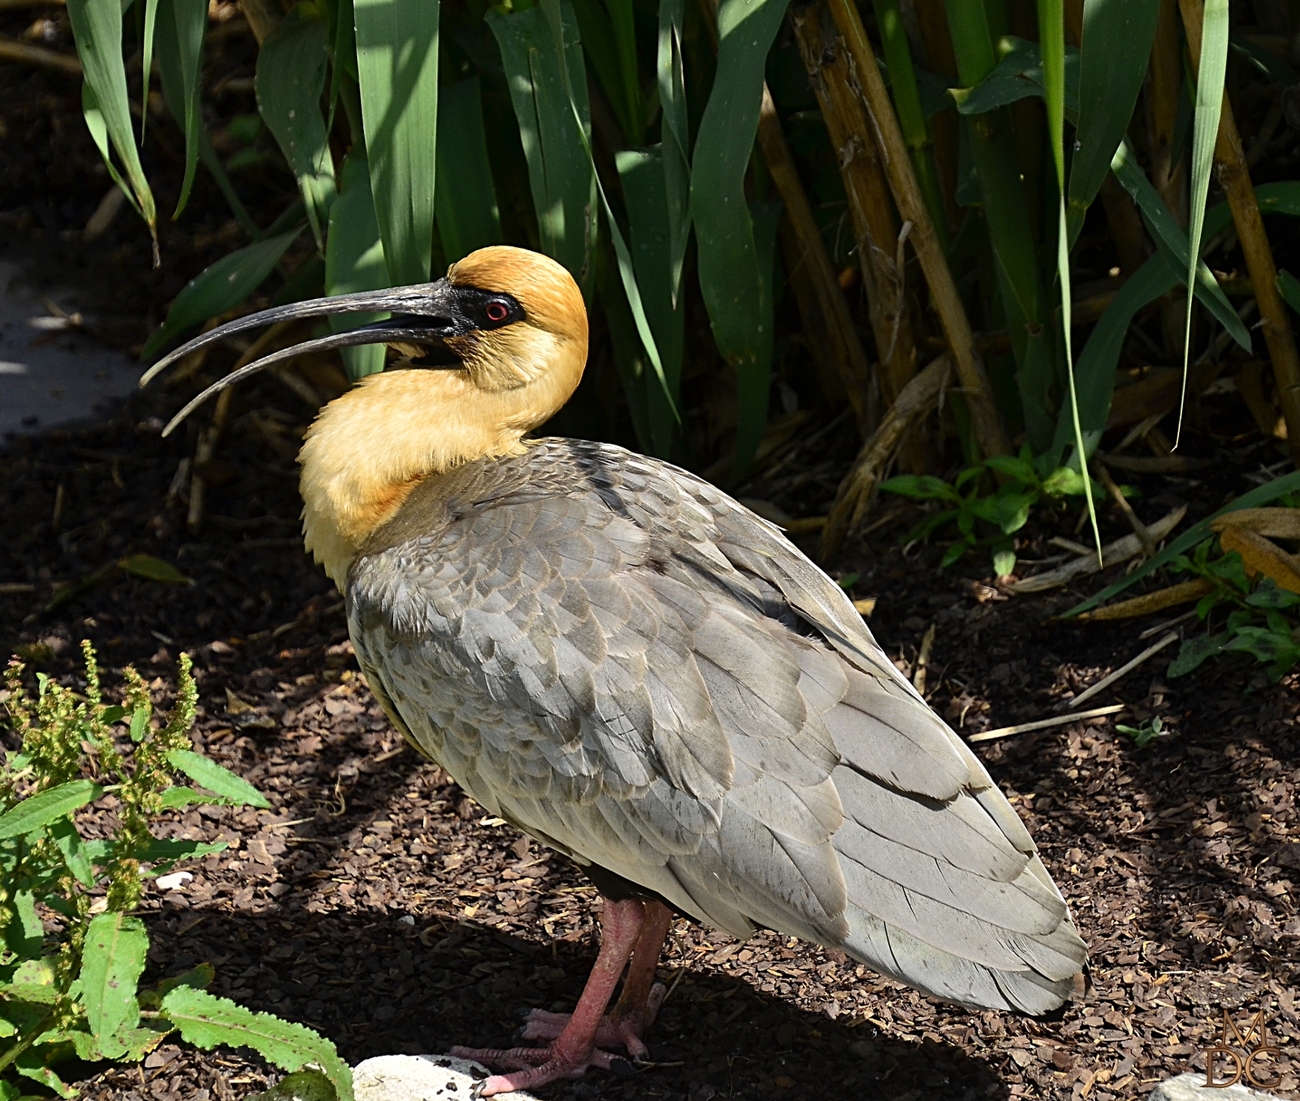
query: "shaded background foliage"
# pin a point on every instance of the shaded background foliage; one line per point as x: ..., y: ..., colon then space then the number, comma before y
x: 759, y: 226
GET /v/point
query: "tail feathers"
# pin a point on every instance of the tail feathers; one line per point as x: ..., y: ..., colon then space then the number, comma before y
x: 1026, y: 989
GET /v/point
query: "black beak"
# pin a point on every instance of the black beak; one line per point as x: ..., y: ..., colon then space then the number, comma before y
x: 425, y: 313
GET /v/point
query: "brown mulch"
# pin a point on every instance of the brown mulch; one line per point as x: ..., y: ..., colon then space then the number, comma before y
x: 377, y: 904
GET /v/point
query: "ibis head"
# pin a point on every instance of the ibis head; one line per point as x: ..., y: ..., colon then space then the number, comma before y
x: 489, y: 352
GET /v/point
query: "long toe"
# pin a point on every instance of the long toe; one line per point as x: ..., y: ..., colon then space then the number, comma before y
x: 532, y: 1067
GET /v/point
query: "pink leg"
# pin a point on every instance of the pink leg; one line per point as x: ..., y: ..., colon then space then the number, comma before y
x: 638, y: 1004
x: 574, y: 1049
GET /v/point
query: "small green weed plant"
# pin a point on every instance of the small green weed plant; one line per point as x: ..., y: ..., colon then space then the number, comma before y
x: 984, y: 519
x: 73, y: 951
x: 1261, y: 621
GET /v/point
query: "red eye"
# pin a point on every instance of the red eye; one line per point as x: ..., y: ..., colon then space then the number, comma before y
x: 496, y: 311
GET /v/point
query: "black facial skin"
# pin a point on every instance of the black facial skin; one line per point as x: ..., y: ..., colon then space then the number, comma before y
x: 462, y: 312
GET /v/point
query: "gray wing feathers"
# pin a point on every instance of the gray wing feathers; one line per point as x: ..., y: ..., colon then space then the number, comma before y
x: 619, y: 658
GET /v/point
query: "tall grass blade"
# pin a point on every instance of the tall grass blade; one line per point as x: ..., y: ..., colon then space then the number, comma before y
x: 735, y: 292
x: 1209, y: 105
x: 1051, y: 35
x: 675, y: 134
x: 548, y: 86
x: 397, y: 69
x: 993, y: 155
x: 1095, y: 370
x: 911, y: 115
x: 180, y: 33
x: 1114, y: 56
x: 620, y: 18
x: 1170, y: 239
x: 650, y: 228
x: 147, y: 46
x: 465, y: 200
x: 290, y: 80
x: 602, y: 47
x: 354, y: 260
x: 97, y: 30
x: 554, y: 11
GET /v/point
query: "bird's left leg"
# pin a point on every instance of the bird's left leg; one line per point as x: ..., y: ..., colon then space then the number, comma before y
x: 574, y: 1049
x: 638, y: 1005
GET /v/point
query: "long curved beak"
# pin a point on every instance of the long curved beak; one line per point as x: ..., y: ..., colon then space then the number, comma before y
x: 424, y: 313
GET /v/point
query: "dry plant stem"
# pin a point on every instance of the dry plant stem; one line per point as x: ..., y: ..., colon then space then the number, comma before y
x: 203, y: 454
x: 859, y: 486
x: 1117, y: 495
x: 262, y: 15
x: 1125, y: 227
x: 1043, y: 724
x: 989, y: 429
x: 1122, y: 671
x: 836, y: 319
x: 1234, y: 177
x: 870, y: 206
x: 24, y: 54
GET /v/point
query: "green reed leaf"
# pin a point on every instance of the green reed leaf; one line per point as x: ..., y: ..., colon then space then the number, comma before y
x: 397, y: 68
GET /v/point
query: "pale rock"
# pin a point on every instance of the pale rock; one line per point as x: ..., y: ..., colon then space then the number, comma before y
x: 422, y: 1078
x: 1192, y: 1087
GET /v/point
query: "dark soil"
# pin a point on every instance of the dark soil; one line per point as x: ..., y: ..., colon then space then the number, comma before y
x: 378, y: 905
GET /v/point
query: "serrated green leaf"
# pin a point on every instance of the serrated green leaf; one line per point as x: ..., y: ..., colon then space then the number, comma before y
x: 30, y: 1064
x: 196, y: 978
x: 219, y: 288
x: 207, y: 773
x: 290, y: 80
x: 736, y: 290
x: 181, y: 796
x: 112, y: 962
x: 206, y: 1021
x: 97, y: 29
x: 163, y: 852
x: 152, y: 569
x: 465, y: 200
x: 397, y: 69
x: 354, y: 261
x: 304, y: 1085
x: 1194, y: 651
x: 68, y: 839
x: 923, y: 487
x: 47, y: 806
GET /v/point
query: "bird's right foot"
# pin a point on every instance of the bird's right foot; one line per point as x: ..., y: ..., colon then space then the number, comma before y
x: 625, y: 1028
x: 532, y: 1067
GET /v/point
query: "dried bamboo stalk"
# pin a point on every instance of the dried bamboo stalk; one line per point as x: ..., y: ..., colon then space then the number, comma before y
x: 859, y: 487
x: 1234, y: 178
x: 870, y: 206
x: 990, y: 432
x: 845, y: 351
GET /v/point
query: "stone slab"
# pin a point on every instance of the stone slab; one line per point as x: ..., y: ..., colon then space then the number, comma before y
x: 422, y: 1078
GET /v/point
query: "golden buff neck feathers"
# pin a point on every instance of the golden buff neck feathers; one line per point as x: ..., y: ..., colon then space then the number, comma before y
x: 369, y: 448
